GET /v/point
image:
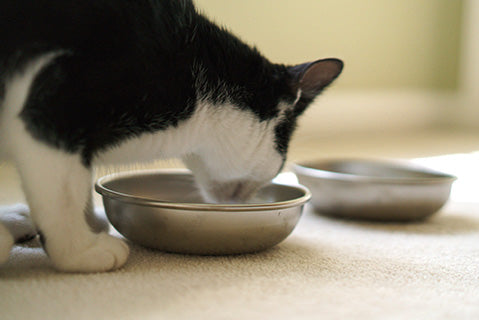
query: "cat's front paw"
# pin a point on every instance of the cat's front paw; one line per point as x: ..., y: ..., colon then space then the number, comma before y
x: 106, y: 253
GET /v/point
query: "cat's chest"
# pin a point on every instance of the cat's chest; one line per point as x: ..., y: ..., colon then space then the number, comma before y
x: 171, y: 142
x: 209, y: 127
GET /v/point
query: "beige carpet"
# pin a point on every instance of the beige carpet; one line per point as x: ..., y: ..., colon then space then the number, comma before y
x: 327, y: 269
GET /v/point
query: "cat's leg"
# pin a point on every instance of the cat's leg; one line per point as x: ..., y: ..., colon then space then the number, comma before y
x: 58, y: 189
x: 96, y: 218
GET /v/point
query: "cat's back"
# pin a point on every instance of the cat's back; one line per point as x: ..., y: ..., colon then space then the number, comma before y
x: 66, y: 24
x: 89, y: 27
x: 106, y: 59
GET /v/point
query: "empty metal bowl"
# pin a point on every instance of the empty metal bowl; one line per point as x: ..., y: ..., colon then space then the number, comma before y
x: 164, y: 210
x: 374, y: 190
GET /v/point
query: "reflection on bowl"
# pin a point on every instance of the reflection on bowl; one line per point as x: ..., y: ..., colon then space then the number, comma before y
x: 164, y: 210
x: 374, y: 190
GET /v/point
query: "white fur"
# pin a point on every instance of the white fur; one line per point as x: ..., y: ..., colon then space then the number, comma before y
x: 235, y: 136
x: 230, y: 152
x: 16, y: 89
x: 222, y: 145
x: 57, y: 187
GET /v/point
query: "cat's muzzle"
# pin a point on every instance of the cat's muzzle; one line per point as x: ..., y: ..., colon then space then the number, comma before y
x: 236, y: 192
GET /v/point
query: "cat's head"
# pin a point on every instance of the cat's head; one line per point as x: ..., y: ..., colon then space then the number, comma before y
x: 250, y: 131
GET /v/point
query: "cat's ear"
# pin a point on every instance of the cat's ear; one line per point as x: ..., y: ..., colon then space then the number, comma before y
x: 311, y: 78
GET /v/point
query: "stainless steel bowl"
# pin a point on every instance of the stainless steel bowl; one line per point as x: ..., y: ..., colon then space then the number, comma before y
x: 374, y: 190
x: 163, y: 210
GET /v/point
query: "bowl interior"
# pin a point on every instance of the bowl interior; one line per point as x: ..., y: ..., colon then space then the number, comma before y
x: 180, y: 187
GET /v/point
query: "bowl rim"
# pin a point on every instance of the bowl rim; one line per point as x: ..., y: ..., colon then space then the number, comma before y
x: 305, y: 169
x: 145, y: 201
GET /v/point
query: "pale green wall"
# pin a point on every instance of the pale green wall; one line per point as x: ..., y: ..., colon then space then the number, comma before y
x: 386, y: 44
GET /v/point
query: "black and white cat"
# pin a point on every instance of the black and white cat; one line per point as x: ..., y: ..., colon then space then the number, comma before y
x: 89, y: 82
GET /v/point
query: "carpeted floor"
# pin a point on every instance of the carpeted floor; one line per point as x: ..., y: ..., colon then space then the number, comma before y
x: 327, y: 269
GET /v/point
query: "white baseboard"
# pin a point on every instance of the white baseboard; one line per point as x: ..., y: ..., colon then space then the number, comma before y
x: 345, y: 112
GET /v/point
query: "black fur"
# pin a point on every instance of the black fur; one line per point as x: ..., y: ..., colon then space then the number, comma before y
x: 126, y: 67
